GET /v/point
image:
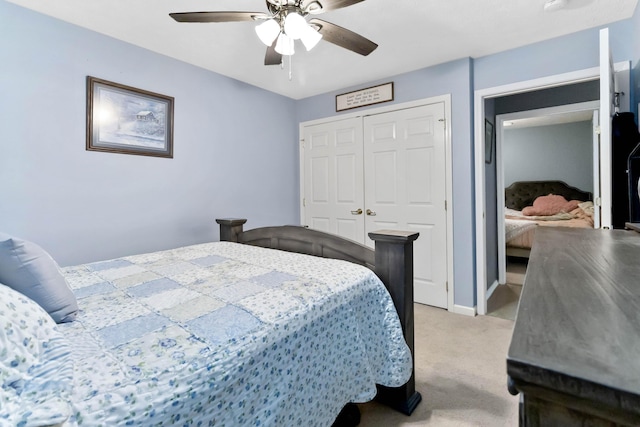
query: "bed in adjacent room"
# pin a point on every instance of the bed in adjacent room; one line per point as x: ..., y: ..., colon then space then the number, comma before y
x: 533, y: 204
x: 220, y: 333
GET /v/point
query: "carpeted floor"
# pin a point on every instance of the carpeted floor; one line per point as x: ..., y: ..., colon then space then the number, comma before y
x: 460, y: 372
x: 504, y: 301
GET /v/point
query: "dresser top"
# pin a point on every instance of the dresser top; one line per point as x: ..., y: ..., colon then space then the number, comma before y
x: 578, y: 321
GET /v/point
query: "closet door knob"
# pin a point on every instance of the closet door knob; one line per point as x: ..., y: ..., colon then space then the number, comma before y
x: 371, y: 213
x: 358, y: 212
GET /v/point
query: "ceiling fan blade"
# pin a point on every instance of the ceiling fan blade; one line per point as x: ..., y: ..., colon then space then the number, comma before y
x: 343, y: 37
x: 272, y: 57
x: 218, y: 16
x: 320, y: 6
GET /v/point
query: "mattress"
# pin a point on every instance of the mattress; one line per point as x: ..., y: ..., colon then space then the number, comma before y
x: 520, y: 229
x: 224, y: 334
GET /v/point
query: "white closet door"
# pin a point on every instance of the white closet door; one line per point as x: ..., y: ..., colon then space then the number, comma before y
x: 405, y: 188
x: 333, y: 181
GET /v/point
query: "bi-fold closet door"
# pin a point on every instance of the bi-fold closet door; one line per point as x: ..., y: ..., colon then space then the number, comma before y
x: 383, y: 171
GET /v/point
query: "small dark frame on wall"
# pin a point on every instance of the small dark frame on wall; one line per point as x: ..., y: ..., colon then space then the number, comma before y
x: 488, y: 140
x: 123, y: 119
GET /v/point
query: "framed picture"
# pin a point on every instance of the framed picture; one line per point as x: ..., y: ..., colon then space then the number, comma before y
x: 488, y: 140
x: 123, y: 119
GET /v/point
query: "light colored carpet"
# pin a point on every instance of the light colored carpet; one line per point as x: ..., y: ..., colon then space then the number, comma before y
x: 504, y: 301
x: 460, y: 372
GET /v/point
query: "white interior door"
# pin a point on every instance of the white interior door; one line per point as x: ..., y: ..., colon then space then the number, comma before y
x: 333, y: 179
x: 596, y: 169
x: 405, y: 188
x: 607, y: 88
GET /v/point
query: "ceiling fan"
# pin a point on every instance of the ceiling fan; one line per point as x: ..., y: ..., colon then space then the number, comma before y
x: 286, y: 22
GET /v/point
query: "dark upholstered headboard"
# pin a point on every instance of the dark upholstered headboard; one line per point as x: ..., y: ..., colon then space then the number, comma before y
x: 522, y: 193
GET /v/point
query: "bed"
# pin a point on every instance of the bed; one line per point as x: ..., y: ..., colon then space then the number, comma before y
x: 520, y: 228
x: 225, y: 333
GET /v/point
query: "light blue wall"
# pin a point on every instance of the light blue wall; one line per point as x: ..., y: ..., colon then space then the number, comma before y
x: 451, y: 78
x: 565, y: 54
x: 234, y: 155
x: 559, y: 152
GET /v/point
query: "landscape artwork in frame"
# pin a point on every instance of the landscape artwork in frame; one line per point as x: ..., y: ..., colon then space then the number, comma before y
x: 123, y: 119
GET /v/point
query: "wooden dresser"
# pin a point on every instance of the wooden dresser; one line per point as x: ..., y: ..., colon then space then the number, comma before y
x: 575, y: 350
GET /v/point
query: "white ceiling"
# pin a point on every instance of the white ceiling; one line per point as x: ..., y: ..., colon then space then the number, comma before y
x: 411, y: 34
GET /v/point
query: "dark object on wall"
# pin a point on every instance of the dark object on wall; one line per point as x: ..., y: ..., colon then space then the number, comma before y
x: 625, y: 137
x: 124, y: 119
x: 488, y: 140
x: 633, y: 166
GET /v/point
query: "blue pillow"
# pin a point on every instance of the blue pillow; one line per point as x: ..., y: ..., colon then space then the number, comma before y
x: 30, y: 270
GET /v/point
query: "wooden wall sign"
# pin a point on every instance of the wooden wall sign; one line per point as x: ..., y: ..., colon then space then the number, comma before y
x: 362, y: 97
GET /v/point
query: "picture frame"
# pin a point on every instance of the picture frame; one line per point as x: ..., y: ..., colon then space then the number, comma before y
x: 127, y: 120
x: 488, y: 141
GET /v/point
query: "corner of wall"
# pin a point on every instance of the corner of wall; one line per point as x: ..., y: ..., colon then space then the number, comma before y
x: 464, y: 310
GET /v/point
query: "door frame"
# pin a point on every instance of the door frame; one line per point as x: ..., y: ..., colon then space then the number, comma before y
x: 500, y: 184
x: 479, y: 113
x: 446, y: 100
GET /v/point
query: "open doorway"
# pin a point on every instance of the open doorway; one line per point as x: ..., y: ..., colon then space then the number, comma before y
x: 486, y: 188
x: 538, y: 153
x: 541, y: 152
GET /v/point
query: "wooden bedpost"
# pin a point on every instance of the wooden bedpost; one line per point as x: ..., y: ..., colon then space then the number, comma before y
x: 394, y: 266
x: 230, y: 228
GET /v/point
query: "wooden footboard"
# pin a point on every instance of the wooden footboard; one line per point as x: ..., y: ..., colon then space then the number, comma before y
x: 392, y: 261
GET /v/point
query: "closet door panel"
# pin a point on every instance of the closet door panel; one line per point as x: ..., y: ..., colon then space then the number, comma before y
x: 405, y: 189
x: 419, y: 163
x: 320, y: 180
x: 333, y: 181
x: 385, y: 165
x: 348, y: 184
x: 383, y: 171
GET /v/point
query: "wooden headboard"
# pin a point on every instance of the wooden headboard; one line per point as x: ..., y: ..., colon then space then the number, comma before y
x: 521, y: 194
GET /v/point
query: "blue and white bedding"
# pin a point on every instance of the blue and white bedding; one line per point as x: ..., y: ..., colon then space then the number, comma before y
x: 216, y: 334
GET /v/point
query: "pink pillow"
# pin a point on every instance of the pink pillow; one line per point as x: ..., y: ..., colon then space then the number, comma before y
x: 550, y: 205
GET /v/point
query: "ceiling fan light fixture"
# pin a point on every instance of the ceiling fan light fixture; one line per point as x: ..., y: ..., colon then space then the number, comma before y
x: 284, y: 45
x: 295, y: 25
x: 268, y: 31
x: 314, y: 8
x: 310, y: 38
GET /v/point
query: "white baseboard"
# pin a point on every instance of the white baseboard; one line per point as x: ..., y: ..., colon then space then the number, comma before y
x: 491, y: 289
x: 464, y: 310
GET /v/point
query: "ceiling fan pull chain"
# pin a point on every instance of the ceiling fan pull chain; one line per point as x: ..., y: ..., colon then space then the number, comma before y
x: 290, y: 62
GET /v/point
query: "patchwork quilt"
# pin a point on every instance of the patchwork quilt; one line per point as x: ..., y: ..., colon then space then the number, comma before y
x: 224, y: 334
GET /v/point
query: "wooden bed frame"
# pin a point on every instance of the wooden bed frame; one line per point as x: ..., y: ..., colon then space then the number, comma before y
x: 392, y: 261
